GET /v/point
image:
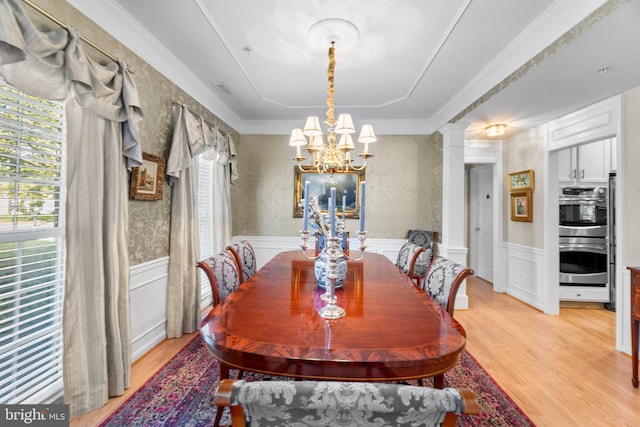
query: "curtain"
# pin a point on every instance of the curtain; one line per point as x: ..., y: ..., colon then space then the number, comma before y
x: 103, y: 111
x: 183, y: 299
x: 192, y: 136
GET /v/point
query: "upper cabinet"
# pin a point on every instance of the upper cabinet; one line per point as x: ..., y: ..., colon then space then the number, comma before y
x: 587, y: 163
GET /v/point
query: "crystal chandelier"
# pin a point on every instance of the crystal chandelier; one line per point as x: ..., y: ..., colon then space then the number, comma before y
x: 330, y: 156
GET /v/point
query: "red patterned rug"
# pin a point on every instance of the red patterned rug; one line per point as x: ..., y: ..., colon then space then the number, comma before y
x: 181, y: 394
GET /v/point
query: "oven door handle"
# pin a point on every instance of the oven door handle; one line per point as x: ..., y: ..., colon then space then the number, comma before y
x: 569, y: 202
x: 583, y: 247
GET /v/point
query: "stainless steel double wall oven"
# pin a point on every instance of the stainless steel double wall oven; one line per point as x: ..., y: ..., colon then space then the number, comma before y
x: 583, y: 244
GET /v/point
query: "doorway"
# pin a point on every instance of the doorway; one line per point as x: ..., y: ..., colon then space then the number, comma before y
x: 481, y: 217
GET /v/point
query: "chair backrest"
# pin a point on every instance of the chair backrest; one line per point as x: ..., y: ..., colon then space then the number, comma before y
x: 410, y: 257
x: 444, y: 277
x: 426, y: 239
x: 245, y: 258
x: 332, y: 403
x: 222, y: 271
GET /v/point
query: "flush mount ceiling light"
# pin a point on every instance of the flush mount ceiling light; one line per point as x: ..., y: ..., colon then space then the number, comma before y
x: 496, y: 130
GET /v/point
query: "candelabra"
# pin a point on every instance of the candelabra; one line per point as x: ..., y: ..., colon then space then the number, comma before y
x: 334, y: 252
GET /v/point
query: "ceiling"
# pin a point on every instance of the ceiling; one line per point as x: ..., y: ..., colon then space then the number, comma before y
x: 416, y: 64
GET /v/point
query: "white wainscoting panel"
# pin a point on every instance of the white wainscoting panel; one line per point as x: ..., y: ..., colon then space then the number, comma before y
x: 524, y: 274
x: 148, y: 305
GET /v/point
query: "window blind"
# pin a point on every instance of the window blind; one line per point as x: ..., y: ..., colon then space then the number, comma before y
x: 32, y: 134
x: 205, y: 222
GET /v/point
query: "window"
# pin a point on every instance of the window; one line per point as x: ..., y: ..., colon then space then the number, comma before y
x: 205, y: 222
x: 32, y: 134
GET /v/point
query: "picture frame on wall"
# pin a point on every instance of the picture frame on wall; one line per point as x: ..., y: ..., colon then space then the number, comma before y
x: 523, y: 180
x: 147, y: 180
x: 347, y: 184
x: 522, y: 206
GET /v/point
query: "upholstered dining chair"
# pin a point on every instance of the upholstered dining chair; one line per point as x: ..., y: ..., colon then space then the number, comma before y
x: 245, y: 258
x: 333, y: 403
x: 222, y: 272
x: 224, y: 277
x: 412, y: 262
x: 443, y: 279
x: 426, y: 239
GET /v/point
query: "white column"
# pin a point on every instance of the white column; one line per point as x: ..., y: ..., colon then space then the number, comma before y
x: 452, y: 244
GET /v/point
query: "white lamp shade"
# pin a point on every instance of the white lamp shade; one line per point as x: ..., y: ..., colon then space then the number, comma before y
x: 367, y: 135
x: 316, y: 142
x: 346, y: 142
x: 312, y: 126
x: 297, y: 138
x: 345, y: 124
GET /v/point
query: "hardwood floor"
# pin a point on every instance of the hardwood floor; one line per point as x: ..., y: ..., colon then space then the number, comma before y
x: 561, y: 370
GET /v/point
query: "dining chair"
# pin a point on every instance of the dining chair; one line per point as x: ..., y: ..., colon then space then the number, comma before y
x: 426, y: 239
x: 224, y: 277
x: 245, y: 257
x: 411, y: 262
x: 443, y: 279
x: 333, y: 403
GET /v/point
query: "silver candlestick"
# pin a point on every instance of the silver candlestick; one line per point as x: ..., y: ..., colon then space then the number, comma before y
x: 334, y: 252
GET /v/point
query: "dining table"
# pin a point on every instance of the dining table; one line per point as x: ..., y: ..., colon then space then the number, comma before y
x: 391, y: 331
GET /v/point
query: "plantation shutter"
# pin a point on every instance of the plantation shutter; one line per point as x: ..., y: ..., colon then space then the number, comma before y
x: 32, y: 133
x: 205, y: 222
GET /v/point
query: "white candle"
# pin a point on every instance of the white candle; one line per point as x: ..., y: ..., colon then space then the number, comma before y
x: 305, y: 209
x: 344, y: 206
x: 362, y: 186
x: 332, y: 211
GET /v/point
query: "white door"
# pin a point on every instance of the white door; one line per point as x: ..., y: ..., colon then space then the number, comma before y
x: 481, y: 221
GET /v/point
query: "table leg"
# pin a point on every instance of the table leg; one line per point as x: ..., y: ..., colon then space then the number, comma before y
x: 634, y: 351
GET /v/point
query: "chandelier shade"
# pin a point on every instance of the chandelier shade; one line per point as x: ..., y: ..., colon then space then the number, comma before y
x: 330, y: 156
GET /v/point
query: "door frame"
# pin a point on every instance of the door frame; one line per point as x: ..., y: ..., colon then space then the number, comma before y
x: 484, y: 152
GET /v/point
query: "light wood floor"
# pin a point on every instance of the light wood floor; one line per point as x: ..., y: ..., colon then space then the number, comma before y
x: 561, y: 370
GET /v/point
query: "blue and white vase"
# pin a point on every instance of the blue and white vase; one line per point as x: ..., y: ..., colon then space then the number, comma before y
x: 320, y: 269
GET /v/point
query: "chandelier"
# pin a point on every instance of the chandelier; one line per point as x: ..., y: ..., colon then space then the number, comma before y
x: 331, y: 156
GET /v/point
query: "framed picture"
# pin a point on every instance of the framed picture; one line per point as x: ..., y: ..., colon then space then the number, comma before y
x: 521, y: 181
x: 346, y: 183
x: 147, y: 180
x: 521, y: 206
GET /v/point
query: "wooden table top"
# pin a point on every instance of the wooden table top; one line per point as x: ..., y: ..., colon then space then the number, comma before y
x: 392, y: 331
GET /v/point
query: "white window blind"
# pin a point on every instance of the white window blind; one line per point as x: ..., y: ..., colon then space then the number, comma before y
x: 31, y: 246
x: 205, y: 222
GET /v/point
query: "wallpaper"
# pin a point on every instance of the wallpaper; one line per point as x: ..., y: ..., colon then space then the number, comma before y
x: 404, y: 187
x: 148, y: 220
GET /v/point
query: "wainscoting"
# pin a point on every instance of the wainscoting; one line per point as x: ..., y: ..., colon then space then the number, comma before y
x: 525, y: 274
x: 148, y: 305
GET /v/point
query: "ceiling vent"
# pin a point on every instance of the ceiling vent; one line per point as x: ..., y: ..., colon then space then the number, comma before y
x: 222, y: 88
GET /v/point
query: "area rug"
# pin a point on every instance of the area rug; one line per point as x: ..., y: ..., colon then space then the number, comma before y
x: 181, y: 394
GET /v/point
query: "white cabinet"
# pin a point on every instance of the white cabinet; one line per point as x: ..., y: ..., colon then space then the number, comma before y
x: 587, y: 163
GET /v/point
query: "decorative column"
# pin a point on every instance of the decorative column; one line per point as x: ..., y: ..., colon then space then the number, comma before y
x: 452, y: 244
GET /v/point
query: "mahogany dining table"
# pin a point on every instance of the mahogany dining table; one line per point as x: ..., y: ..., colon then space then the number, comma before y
x: 392, y: 330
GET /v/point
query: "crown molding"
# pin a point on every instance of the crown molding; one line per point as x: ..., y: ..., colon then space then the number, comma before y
x: 554, y: 22
x: 115, y: 20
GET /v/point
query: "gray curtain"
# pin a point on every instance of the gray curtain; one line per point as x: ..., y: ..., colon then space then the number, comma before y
x: 103, y: 111
x: 183, y: 299
x: 192, y: 137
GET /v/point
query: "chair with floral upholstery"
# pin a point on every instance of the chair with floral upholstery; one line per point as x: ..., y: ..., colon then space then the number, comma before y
x: 224, y: 278
x: 426, y: 239
x: 443, y: 279
x: 245, y: 258
x: 411, y: 262
x: 333, y: 403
